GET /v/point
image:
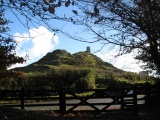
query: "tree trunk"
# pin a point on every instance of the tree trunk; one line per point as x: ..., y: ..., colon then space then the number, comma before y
x: 154, y: 53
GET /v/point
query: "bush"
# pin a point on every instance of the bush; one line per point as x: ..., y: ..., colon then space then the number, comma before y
x: 61, y: 78
x: 110, y: 83
x: 14, y: 80
x: 73, y: 78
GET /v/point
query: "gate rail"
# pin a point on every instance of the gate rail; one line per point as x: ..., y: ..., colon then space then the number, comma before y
x: 126, y: 98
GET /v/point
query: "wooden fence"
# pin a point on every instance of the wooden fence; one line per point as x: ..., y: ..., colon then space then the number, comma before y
x: 125, y: 98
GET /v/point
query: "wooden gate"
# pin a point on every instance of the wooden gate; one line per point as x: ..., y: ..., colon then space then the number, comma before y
x: 100, y: 100
x: 108, y: 100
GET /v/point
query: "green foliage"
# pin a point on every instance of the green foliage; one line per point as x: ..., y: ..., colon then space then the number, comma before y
x: 119, y: 79
x: 81, y: 70
x: 8, y: 55
x: 14, y: 80
x: 61, y: 58
x: 110, y: 83
x: 61, y: 78
x: 85, y: 59
x: 73, y: 78
x: 55, y: 58
x: 38, y: 81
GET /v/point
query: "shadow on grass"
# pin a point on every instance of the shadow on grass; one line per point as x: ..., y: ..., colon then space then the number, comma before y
x: 145, y: 113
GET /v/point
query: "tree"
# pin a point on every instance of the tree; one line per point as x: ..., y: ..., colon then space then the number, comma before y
x: 7, y: 48
x: 129, y: 24
x: 36, y: 12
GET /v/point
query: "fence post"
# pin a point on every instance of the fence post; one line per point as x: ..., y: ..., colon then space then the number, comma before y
x: 22, y: 98
x: 62, y: 101
x: 122, y: 98
x: 135, y: 99
x: 148, y: 93
x: 157, y: 85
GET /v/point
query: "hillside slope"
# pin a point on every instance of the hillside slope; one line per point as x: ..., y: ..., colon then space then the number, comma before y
x: 62, y: 58
x: 62, y: 65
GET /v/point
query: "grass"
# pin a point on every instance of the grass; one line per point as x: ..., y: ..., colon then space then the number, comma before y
x: 146, y: 112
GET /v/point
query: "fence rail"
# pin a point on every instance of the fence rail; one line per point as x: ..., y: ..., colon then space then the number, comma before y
x: 124, y: 97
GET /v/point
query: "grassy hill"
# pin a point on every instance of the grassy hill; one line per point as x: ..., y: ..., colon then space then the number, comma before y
x: 62, y: 65
x: 62, y: 58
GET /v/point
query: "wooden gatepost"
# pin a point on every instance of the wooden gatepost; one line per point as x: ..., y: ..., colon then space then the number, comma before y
x: 129, y: 98
x: 22, y: 98
x: 62, y: 101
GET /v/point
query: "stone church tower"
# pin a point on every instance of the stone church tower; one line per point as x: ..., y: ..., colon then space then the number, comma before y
x: 88, y: 49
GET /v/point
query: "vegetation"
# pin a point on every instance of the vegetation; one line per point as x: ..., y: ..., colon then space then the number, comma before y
x: 61, y: 69
x: 134, y: 24
x: 61, y: 78
x: 8, y: 55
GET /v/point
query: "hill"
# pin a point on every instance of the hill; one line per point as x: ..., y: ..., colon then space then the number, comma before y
x: 60, y: 68
x: 62, y: 58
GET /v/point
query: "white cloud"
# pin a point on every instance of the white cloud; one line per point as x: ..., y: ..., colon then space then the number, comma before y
x: 125, y: 62
x: 41, y: 44
x: 36, y: 43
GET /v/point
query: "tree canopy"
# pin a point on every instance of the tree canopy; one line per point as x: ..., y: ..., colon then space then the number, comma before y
x: 8, y: 55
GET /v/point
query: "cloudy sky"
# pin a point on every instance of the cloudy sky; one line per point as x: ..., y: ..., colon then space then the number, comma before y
x: 125, y: 62
x: 37, y: 42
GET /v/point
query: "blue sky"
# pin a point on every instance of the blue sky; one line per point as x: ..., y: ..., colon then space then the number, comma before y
x: 37, y: 42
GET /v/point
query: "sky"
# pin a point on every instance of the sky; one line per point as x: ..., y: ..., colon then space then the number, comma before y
x: 37, y: 42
